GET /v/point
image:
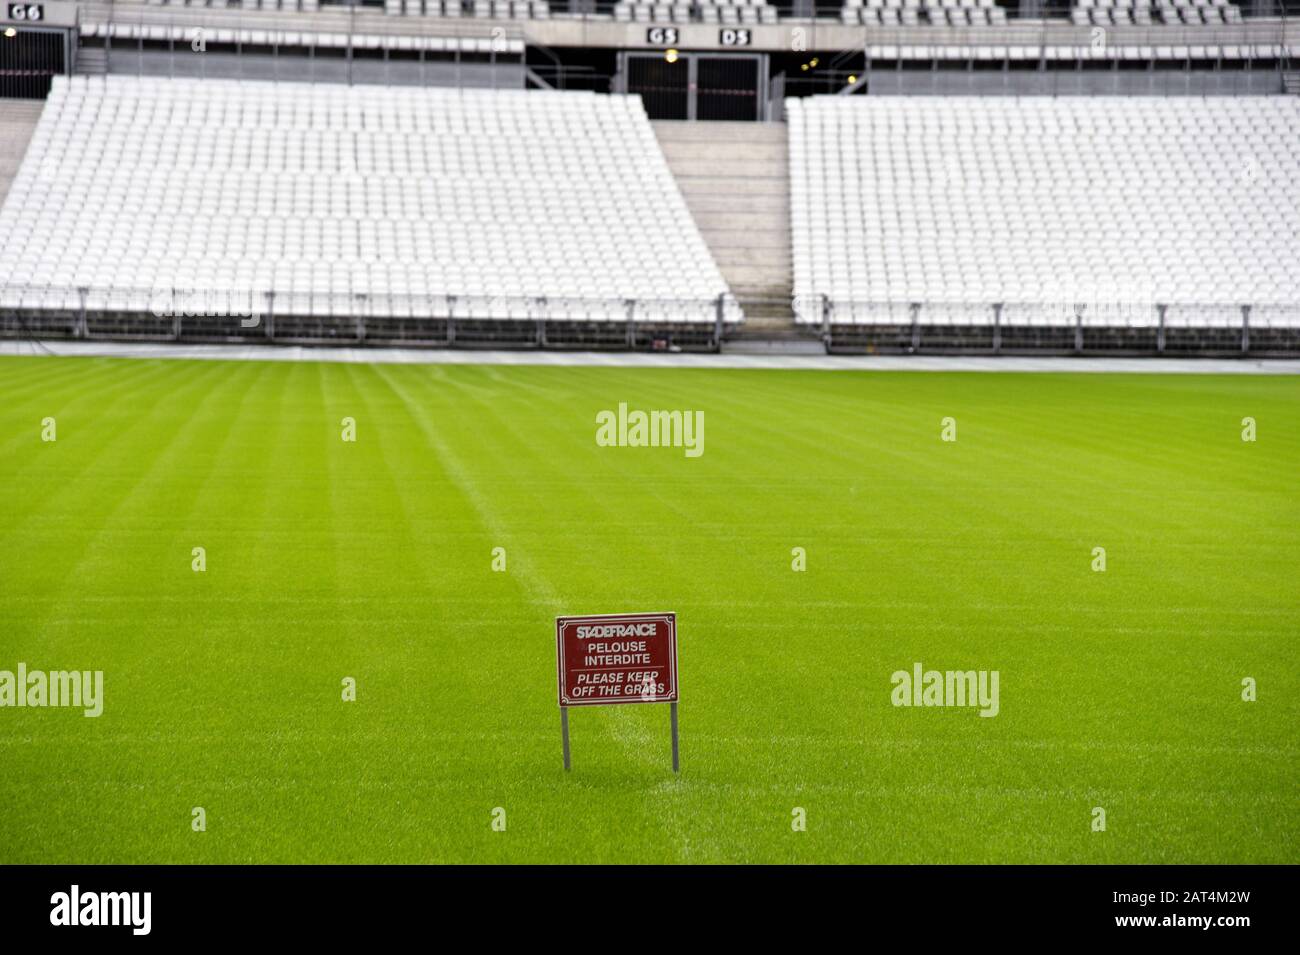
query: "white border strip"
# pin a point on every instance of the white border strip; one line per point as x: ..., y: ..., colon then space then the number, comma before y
x: 805, y: 362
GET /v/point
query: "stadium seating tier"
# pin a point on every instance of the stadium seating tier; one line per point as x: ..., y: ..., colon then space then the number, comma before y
x: 534, y: 204
x: 1046, y: 204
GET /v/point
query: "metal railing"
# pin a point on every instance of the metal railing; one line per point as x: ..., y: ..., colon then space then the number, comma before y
x: 795, y: 10
x: 1260, y: 13
x: 1054, y: 325
x: 251, y: 314
x: 168, y: 41
x: 471, y: 320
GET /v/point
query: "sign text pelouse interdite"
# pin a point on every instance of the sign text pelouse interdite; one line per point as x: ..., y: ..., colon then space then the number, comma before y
x: 617, y: 658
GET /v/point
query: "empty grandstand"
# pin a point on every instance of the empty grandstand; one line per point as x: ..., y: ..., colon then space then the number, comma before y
x: 1127, y: 217
x: 711, y: 11
x: 1144, y: 12
x: 914, y: 12
x: 914, y: 175
x: 352, y: 212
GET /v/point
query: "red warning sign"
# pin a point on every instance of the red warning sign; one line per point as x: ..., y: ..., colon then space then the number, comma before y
x: 617, y: 658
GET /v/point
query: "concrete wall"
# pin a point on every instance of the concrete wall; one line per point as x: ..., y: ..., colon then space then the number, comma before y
x: 1058, y: 82
x: 325, y: 69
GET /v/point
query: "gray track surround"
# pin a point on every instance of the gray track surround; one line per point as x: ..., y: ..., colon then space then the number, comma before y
x: 406, y: 356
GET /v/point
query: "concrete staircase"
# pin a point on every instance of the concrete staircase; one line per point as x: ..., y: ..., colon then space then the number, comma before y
x: 1291, y: 82
x: 18, y: 118
x: 92, y: 60
x: 736, y: 181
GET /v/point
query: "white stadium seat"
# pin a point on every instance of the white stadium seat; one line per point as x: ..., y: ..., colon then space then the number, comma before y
x: 1146, y: 12
x: 710, y: 11
x: 957, y: 13
x: 519, y: 203
x: 1044, y: 204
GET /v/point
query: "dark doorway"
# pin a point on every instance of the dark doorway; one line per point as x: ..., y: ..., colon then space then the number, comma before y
x: 688, y: 85
x: 664, y: 86
x: 29, y: 60
x: 727, y: 88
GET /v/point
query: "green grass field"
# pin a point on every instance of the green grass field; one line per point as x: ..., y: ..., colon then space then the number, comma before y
x: 372, y: 560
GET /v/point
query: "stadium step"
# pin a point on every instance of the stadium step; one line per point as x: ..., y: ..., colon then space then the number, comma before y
x: 684, y: 131
x: 772, y: 333
x: 18, y: 118
x: 761, y: 312
x: 804, y: 345
x: 728, y: 187
x: 742, y: 276
x: 1291, y: 83
x: 705, y: 202
x: 735, y: 179
x: 92, y: 61
x: 696, y: 149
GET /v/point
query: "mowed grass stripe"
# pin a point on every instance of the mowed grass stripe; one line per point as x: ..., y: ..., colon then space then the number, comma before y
x: 100, y: 398
x: 83, y: 521
x: 373, y: 560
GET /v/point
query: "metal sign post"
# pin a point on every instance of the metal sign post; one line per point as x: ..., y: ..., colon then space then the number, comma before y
x: 672, y: 717
x: 564, y: 732
x: 607, y: 659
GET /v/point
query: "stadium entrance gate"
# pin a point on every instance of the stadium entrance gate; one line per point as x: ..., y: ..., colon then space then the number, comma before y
x: 36, y: 44
x: 722, y: 86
